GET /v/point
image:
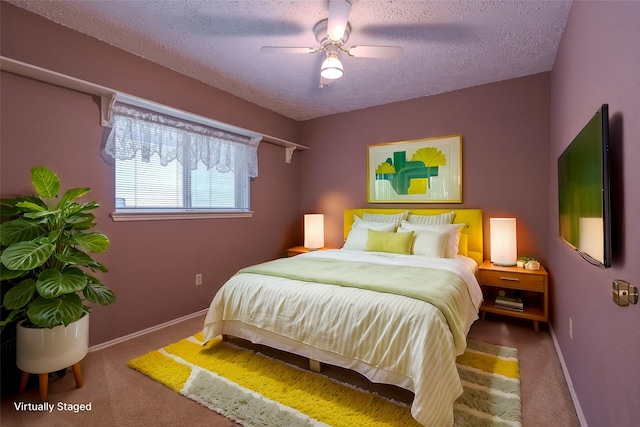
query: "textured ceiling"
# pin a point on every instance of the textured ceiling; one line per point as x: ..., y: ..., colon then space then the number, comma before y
x: 447, y: 45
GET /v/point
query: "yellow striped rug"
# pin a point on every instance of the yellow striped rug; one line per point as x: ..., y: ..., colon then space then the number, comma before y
x: 256, y: 390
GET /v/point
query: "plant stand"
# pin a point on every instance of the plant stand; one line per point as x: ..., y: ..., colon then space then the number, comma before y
x: 44, y: 381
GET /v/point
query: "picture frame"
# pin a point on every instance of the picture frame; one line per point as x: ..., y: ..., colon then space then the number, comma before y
x: 425, y: 170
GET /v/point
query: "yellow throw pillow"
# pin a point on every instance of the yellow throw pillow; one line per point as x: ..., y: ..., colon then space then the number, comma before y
x: 381, y: 241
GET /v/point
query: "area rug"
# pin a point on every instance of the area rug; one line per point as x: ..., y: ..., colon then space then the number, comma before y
x: 256, y: 390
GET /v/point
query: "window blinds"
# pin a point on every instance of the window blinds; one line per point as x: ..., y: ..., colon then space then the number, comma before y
x: 167, y: 164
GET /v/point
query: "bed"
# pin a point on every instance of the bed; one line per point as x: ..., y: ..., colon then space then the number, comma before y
x: 369, y: 306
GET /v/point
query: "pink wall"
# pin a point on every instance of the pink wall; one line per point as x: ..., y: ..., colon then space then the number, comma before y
x: 513, y: 132
x: 152, y: 264
x: 599, y: 62
x: 505, y: 151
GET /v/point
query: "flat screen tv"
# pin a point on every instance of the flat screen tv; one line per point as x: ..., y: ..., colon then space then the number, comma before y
x: 583, y: 190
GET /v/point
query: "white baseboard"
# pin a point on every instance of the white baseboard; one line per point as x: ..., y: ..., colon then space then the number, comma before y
x: 574, y: 397
x: 146, y: 331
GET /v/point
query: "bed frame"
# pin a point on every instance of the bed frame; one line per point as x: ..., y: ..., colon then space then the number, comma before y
x: 471, y: 217
x: 317, y: 358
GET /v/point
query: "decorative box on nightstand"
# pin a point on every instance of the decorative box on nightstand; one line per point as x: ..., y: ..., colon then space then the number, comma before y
x: 530, y: 286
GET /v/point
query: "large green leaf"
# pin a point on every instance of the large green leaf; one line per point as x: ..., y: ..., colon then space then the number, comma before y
x: 27, y: 206
x: 74, y: 256
x: 77, y: 257
x: 19, y: 295
x: 81, y: 221
x: 74, y: 208
x: 45, y: 182
x: 48, y: 313
x: 84, y: 225
x: 100, y: 267
x: 72, y: 194
x: 26, y: 255
x: 42, y: 214
x: 9, y: 207
x: 6, y: 274
x: 18, y: 230
x: 92, y: 242
x: 98, y: 293
x: 77, y: 214
x: 53, y: 283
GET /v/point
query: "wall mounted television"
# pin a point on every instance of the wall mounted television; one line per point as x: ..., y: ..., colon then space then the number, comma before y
x: 584, y: 191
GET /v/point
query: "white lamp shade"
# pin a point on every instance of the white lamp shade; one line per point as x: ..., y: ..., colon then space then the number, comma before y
x: 313, y: 231
x: 331, y: 68
x: 504, y: 246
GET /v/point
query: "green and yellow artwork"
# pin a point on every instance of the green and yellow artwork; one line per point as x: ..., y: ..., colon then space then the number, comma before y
x: 411, y: 176
x: 415, y: 171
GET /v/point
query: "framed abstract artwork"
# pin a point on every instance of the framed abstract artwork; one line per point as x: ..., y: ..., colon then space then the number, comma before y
x: 419, y: 171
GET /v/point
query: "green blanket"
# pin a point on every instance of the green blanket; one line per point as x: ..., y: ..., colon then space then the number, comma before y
x: 441, y: 288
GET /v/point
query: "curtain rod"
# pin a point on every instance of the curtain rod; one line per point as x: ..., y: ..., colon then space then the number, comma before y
x: 109, y: 96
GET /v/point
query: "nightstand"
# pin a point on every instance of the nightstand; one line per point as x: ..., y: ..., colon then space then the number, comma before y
x: 297, y: 250
x: 531, y: 286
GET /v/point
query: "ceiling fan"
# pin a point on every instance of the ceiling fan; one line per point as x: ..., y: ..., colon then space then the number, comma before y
x: 332, y: 34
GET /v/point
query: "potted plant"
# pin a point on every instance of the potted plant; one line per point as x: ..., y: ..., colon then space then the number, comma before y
x: 528, y: 263
x: 45, y: 272
x: 522, y: 261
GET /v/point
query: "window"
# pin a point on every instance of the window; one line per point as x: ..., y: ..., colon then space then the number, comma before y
x: 166, y: 165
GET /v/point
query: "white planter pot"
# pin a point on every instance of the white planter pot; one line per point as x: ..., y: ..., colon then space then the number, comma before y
x: 532, y: 265
x: 41, y: 350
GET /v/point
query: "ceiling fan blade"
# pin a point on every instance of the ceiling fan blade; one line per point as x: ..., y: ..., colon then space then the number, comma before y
x: 338, y: 18
x: 382, y: 52
x: 279, y: 49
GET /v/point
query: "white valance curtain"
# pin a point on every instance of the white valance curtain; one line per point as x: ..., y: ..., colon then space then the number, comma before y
x: 136, y: 130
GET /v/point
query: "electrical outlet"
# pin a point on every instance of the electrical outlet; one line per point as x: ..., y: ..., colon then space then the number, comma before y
x: 570, y: 328
x: 198, y: 279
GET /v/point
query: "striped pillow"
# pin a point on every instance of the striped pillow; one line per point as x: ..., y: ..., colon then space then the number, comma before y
x: 445, y: 218
x: 393, y: 218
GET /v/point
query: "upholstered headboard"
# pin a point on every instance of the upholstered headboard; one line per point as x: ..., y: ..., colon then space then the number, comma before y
x: 471, y: 217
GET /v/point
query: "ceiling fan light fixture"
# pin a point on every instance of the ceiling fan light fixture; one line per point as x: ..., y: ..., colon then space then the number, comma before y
x: 331, y: 68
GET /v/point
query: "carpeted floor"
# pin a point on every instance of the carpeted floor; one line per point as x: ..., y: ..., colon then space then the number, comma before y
x: 120, y: 396
x: 246, y: 385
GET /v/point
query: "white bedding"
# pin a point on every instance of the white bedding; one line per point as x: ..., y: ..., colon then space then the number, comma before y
x: 388, y: 338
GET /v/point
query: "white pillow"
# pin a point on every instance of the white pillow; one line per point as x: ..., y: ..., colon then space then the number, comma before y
x: 445, y: 218
x: 452, y: 231
x: 394, y: 218
x: 357, y: 237
x: 430, y: 243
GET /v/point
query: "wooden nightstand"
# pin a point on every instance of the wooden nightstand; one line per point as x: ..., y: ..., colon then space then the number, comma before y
x: 297, y: 250
x: 530, y: 285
